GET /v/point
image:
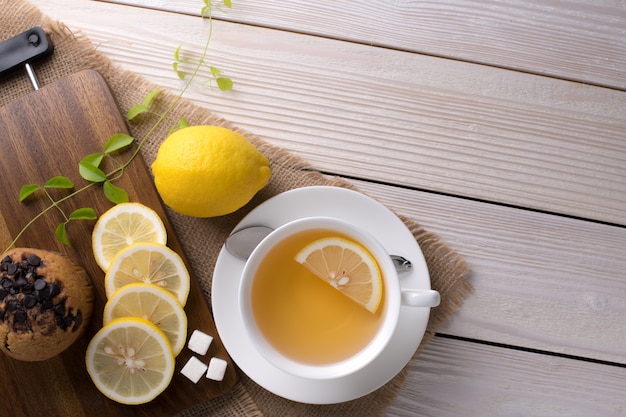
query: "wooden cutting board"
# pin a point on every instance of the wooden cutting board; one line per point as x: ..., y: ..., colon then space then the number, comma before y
x: 45, y: 134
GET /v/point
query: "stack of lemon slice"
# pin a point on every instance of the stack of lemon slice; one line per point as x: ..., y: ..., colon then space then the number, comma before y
x: 150, y: 302
x: 131, y: 359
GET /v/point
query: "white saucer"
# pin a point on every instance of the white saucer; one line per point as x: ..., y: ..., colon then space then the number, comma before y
x: 395, y: 237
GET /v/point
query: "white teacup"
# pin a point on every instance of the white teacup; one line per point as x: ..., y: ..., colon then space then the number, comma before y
x: 394, y: 297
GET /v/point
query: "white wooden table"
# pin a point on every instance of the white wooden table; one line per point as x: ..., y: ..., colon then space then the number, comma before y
x: 498, y: 124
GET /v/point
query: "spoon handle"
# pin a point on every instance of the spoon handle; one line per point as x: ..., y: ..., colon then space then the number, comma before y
x: 401, y: 264
x: 242, y: 242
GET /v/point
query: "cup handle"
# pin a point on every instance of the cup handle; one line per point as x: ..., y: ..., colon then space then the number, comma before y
x: 420, y: 298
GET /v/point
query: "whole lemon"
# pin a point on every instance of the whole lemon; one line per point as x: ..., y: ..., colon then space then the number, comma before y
x: 207, y: 171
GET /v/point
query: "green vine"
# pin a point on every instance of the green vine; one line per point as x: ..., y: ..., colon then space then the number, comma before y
x: 90, y: 167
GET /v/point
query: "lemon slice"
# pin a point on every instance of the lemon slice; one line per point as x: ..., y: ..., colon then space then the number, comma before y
x: 121, y: 226
x: 153, y: 303
x: 347, y: 266
x: 130, y: 360
x: 150, y: 263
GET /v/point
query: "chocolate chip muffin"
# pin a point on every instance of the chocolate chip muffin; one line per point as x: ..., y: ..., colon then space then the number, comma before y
x: 46, y: 300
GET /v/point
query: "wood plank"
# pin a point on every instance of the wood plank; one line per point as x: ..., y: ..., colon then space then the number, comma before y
x: 452, y: 378
x: 540, y: 281
x: 570, y: 39
x: 398, y: 117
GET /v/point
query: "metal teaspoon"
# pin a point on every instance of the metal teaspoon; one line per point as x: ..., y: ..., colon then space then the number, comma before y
x: 242, y: 242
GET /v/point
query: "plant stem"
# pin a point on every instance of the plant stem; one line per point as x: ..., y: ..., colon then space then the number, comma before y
x: 172, y: 105
x: 44, y: 211
x: 118, y: 172
x: 54, y: 203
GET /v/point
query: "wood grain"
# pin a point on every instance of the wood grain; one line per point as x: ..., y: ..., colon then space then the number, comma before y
x: 44, y: 134
x: 391, y: 116
x: 571, y: 39
x: 452, y: 378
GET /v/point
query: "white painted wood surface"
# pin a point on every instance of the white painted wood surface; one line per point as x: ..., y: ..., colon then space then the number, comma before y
x: 581, y: 40
x: 453, y: 379
x: 523, y: 174
x: 413, y: 120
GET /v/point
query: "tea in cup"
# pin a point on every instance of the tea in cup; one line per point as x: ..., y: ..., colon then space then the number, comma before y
x: 305, y: 326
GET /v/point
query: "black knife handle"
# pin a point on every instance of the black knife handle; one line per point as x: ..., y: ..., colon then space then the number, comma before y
x: 23, y: 48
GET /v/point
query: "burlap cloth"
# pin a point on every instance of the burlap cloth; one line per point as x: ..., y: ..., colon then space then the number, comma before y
x: 202, y: 238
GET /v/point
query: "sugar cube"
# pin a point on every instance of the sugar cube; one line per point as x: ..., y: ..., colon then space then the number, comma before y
x: 194, y: 369
x: 216, y: 369
x: 199, y: 342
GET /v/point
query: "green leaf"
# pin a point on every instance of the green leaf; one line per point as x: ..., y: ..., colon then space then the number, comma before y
x: 148, y: 99
x: 59, y: 182
x: 215, y: 71
x: 224, y: 83
x: 85, y: 213
x: 27, y: 190
x: 94, y: 159
x: 114, y: 193
x: 183, y: 123
x: 206, y: 10
x: 228, y: 4
x: 179, y: 74
x: 177, y: 60
x: 91, y: 173
x: 61, y: 234
x: 117, y: 142
x: 136, y: 110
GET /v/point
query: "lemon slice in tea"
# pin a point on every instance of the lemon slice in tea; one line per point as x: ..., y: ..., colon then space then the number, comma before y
x: 130, y: 360
x: 149, y: 263
x: 153, y: 303
x: 347, y: 266
x: 121, y: 226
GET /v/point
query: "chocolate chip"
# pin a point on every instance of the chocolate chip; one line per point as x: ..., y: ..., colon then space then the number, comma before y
x: 30, y: 301
x: 21, y: 316
x: 6, y: 283
x: 3, y: 295
x: 44, y: 294
x: 11, y: 269
x: 34, y: 260
x: 59, y: 309
x: 54, y: 290
x: 11, y: 306
x: 46, y: 304
x: 1, y: 314
x: 78, y: 320
x: 40, y: 284
x: 28, y: 288
x: 19, y: 282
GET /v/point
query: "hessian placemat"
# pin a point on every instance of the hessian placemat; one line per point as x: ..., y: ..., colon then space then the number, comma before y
x: 203, y: 238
